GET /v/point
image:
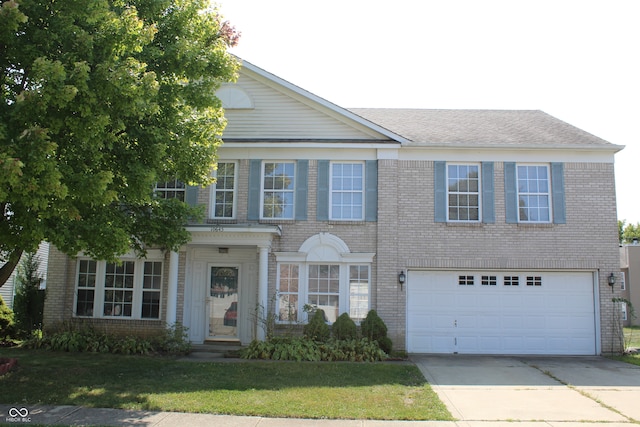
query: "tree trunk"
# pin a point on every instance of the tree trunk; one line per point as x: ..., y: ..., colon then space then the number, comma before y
x: 9, y: 266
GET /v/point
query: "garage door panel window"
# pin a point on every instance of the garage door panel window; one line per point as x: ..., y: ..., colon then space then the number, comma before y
x: 489, y: 280
x: 534, y: 280
x: 465, y: 280
x: 511, y: 280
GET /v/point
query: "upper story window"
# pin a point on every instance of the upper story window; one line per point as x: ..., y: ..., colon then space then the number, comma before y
x: 174, y: 189
x: 534, y: 193
x: 463, y: 192
x: 347, y: 191
x: 223, y: 200
x: 278, y: 189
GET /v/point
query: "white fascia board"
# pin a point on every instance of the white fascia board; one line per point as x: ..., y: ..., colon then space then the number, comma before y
x: 313, y: 100
x: 524, y: 154
x: 296, y: 153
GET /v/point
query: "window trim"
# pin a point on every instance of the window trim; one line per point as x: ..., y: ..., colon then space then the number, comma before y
x: 214, y: 189
x: 478, y: 192
x: 137, y: 297
x: 180, y: 188
x: 549, y: 193
x: 363, y: 190
x: 344, y: 292
x: 292, y: 190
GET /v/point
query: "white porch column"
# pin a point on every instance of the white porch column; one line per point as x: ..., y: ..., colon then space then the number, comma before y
x: 263, y: 286
x: 172, y: 297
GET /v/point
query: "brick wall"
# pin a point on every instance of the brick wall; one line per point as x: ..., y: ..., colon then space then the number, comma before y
x: 588, y: 240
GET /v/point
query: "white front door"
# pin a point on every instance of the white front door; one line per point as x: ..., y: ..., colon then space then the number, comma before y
x: 222, y: 303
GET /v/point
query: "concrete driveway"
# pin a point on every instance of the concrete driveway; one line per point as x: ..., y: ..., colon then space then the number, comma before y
x: 552, y: 389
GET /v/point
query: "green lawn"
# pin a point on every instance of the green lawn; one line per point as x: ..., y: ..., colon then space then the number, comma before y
x: 271, y: 389
x: 632, y: 336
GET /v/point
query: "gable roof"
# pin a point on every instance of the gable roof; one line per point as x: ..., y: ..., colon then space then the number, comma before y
x: 483, y: 128
x: 321, y: 105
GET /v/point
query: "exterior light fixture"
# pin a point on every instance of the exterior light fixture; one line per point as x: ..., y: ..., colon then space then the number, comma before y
x: 401, y: 279
x: 611, y: 279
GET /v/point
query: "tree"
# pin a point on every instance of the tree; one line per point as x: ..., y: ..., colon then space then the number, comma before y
x: 28, y: 303
x: 628, y: 232
x: 100, y: 100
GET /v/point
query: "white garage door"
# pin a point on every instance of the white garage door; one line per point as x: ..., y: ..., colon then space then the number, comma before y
x: 500, y: 313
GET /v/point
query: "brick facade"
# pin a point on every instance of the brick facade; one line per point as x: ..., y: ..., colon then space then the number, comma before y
x: 406, y: 235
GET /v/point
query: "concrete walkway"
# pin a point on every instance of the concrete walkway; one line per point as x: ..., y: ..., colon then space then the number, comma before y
x: 480, y: 391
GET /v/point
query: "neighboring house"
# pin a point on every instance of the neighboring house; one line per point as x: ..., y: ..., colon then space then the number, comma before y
x: 630, y: 266
x: 8, y: 290
x: 467, y: 231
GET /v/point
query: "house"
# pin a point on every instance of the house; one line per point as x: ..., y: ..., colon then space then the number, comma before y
x: 480, y: 232
x: 630, y: 281
x: 8, y: 290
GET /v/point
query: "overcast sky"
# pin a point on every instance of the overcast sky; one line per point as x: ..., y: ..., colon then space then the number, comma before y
x: 578, y: 60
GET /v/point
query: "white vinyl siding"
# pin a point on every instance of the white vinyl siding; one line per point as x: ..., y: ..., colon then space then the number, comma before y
x: 287, y: 117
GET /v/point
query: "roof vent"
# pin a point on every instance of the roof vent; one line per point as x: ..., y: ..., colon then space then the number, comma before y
x: 234, y: 98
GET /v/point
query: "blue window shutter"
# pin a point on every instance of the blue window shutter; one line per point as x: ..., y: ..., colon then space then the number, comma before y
x: 510, y: 193
x: 488, y: 198
x: 191, y: 195
x: 302, y: 178
x: 371, y: 191
x: 253, y: 202
x: 440, y: 185
x: 323, y: 191
x: 557, y: 189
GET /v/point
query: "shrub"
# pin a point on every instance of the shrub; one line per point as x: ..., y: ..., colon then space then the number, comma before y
x: 344, y: 328
x: 174, y: 340
x: 28, y: 304
x: 283, y: 348
x: 351, y: 350
x: 87, y: 339
x: 374, y: 329
x: 305, y: 349
x: 317, y: 329
x: 6, y: 320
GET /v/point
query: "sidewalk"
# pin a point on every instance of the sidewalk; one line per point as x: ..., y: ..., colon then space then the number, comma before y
x: 78, y: 416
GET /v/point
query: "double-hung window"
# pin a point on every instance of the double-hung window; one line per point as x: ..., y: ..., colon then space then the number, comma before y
x: 278, y: 190
x: 347, y: 191
x: 288, y: 278
x: 463, y: 192
x: 131, y: 289
x: 534, y: 193
x: 223, y: 200
x: 174, y: 189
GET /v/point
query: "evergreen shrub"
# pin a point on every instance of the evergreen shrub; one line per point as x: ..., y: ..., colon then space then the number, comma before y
x: 344, y: 328
x: 374, y: 329
x: 317, y: 329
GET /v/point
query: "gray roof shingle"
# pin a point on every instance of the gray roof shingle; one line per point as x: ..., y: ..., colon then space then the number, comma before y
x: 489, y: 128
